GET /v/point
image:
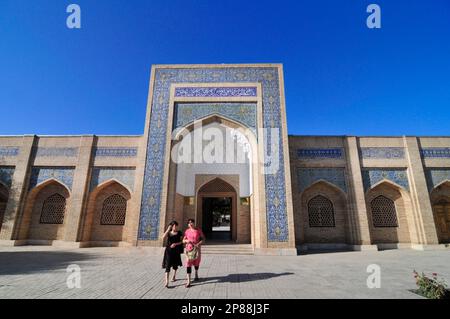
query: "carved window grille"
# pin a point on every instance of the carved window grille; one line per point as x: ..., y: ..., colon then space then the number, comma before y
x: 321, y: 212
x: 383, y: 212
x: 53, y: 210
x: 114, y: 210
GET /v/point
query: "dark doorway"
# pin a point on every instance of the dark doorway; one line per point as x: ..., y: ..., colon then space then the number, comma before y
x: 217, y: 218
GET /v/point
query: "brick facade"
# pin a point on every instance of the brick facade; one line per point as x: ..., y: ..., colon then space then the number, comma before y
x: 350, y: 172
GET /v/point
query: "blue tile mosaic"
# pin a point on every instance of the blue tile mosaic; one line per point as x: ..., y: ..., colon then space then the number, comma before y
x: 57, y: 151
x: 64, y: 175
x: 215, y: 91
x: 316, y: 153
x: 125, y: 175
x: 244, y: 113
x: 436, y: 176
x: 308, y: 176
x: 116, y: 151
x: 428, y: 152
x: 9, y: 151
x: 6, y: 175
x: 375, y: 175
x: 383, y: 152
x: 276, y: 205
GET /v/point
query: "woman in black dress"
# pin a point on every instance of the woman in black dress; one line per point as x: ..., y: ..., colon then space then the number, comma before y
x: 174, y: 248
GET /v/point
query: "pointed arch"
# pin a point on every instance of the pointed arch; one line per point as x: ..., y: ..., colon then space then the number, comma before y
x: 184, y: 177
x: 182, y: 131
x: 44, y: 217
x: 108, y: 183
x: 105, y: 221
x: 322, y: 217
x: 326, y: 184
x: 217, y: 184
x: 390, y: 183
x: 46, y: 183
x: 440, y: 201
x: 390, y: 215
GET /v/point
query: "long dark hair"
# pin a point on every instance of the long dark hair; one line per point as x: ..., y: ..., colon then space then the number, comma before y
x: 173, y: 222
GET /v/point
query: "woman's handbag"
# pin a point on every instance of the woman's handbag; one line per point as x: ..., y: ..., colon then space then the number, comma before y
x: 193, y: 253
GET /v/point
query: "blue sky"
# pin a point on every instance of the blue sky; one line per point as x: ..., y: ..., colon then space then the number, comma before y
x: 341, y: 77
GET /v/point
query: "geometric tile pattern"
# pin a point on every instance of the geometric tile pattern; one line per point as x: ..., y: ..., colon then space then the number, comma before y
x: 6, y: 175
x: 125, y: 175
x: 63, y: 175
x: 244, y: 113
x: 116, y: 151
x: 320, y: 212
x: 374, y: 175
x: 429, y: 152
x: 436, y: 176
x: 383, y: 212
x: 56, y: 151
x: 114, y: 210
x: 267, y: 76
x: 215, y: 91
x: 383, y: 152
x: 314, y: 153
x: 308, y: 176
x: 9, y: 151
x: 53, y: 210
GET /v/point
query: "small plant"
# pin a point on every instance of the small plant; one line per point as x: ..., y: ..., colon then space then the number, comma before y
x: 431, y: 288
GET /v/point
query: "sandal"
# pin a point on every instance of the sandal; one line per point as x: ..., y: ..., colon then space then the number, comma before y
x: 188, y: 285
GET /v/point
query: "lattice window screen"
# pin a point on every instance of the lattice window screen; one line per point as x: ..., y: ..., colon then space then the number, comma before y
x: 114, y: 210
x: 321, y: 212
x: 383, y: 212
x: 53, y: 210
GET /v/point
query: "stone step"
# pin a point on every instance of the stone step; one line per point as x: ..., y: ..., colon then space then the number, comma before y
x: 228, y: 249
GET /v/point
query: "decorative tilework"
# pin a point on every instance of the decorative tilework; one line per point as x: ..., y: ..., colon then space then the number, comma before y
x: 6, y: 175
x: 375, y: 175
x: 116, y: 151
x: 244, y: 113
x: 308, y: 176
x: 62, y: 174
x: 215, y: 91
x: 383, y: 152
x: 436, y: 176
x: 443, y: 152
x: 125, y: 175
x: 277, y: 226
x: 57, y: 151
x: 9, y: 151
x: 315, y: 153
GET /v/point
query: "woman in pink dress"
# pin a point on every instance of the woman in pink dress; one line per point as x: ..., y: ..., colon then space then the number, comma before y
x: 193, y: 238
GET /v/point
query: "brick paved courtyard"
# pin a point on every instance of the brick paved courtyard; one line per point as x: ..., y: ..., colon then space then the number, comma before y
x: 40, y: 272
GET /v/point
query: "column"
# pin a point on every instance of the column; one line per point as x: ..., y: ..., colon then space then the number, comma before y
x: 80, y: 191
x: 17, y: 193
x: 425, y: 232
x: 357, y: 201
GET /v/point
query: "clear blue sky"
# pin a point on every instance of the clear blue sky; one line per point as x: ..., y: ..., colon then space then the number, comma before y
x: 341, y: 77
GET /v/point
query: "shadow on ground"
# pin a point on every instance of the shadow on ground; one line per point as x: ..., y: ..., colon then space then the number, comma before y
x: 234, y: 278
x: 28, y: 262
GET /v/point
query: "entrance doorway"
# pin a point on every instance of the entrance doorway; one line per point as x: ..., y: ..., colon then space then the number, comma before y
x: 217, y: 211
x: 442, y: 218
x: 217, y: 214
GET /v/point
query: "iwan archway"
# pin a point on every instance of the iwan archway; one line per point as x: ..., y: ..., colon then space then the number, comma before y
x: 246, y: 98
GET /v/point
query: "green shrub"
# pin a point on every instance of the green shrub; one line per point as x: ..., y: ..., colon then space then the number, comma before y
x: 431, y: 288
